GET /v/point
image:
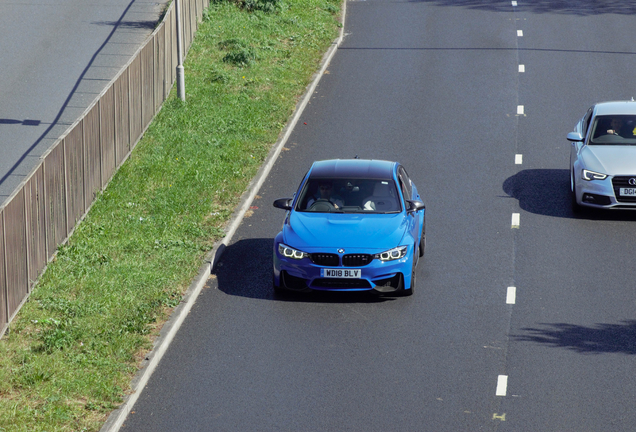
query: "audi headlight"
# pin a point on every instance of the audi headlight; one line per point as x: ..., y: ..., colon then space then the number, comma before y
x: 289, y: 252
x: 392, y: 254
x: 591, y: 175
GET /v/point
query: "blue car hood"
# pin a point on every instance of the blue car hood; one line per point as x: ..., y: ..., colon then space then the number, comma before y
x: 320, y: 230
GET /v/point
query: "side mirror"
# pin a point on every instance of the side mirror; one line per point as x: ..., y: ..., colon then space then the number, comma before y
x: 415, y: 205
x: 575, y: 137
x: 283, y: 203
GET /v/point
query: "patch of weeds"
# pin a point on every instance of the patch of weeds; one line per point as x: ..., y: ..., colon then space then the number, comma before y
x: 60, y: 305
x: 254, y: 5
x: 240, y: 53
x: 260, y: 5
x: 332, y: 9
x: 57, y: 334
x: 218, y: 77
x: 29, y: 375
x: 240, y: 57
x: 137, y: 320
x: 172, y: 299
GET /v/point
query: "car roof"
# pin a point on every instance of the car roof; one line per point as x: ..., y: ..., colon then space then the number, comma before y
x: 353, y: 168
x: 616, y: 107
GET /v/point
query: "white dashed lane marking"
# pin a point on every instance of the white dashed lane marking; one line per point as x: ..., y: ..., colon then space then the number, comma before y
x: 502, y: 385
x: 514, y: 4
x: 522, y: 68
x: 518, y: 159
x: 520, y: 33
x: 516, y: 220
x: 511, y: 295
x: 520, y: 110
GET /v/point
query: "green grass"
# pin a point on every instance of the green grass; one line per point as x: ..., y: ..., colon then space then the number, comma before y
x: 71, y: 352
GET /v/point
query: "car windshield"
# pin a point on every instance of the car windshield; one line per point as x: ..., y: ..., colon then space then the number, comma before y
x: 614, y: 130
x: 341, y: 195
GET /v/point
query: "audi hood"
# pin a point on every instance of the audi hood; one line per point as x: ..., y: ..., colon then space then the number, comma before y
x: 610, y: 159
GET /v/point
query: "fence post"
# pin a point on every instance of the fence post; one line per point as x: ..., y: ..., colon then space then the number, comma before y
x: 66, y: 212
x: 26, y: 236
x: 6, y: 273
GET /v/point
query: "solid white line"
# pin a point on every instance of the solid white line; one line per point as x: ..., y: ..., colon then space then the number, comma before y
x: 516, y: 220
x: 502, y: 385
x: 522, y: 68
x: 520, y: 110
x: 520, y: 33
x: 511, y: 295
x: 518, y: 159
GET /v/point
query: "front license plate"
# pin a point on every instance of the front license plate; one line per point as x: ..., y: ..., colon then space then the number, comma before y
x: 628, y: 191
x: 341, y: 273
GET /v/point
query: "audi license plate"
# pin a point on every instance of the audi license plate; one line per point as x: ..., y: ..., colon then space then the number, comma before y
x: 341, y: 273
x: 628, y: 191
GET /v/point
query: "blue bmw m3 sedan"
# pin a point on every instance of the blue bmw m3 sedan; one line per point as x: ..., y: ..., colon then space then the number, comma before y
x: 353, y: 225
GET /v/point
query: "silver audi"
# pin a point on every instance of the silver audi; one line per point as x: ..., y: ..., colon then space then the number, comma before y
x: 603, y: 157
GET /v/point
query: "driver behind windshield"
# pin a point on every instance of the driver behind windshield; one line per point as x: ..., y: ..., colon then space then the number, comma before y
x: 324, y: 193
x: 616, y: 126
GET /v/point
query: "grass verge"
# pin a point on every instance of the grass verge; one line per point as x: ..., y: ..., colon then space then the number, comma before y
x: 73, y: 349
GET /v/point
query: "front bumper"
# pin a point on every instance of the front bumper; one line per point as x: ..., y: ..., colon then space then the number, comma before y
x: 605, y: 194
x: 304, y: 275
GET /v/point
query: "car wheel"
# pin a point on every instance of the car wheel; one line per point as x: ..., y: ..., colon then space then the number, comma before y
x: 576, y: 208
x: 403, y: 291
x: 277, y: 290
x: 408, y: 292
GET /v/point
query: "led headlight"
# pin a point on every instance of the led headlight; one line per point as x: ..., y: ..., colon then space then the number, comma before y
x: 591, y: 175
x: 392, y: 254
x: 289, y: 252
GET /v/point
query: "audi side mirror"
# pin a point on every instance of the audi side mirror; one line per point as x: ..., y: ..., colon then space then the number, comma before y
x: 575, y: 137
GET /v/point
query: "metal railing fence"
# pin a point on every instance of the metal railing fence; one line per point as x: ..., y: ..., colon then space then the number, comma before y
x: 45, y: 208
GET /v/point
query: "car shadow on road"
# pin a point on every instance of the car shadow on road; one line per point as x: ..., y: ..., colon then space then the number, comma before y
x: 547, y: 192
x: 245, y: 270
x: 601, y: 338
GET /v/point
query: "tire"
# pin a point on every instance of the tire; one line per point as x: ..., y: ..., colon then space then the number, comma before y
x: 403, y: 291
x: 409, y: 292
x: 576, y: 208
x: 422, y: 246
x: 277, y: 290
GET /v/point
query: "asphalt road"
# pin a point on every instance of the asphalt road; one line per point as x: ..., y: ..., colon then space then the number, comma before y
x: 438, y: 86
x: 56, y: 56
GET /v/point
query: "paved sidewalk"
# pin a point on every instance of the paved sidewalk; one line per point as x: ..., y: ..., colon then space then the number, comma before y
x: 56, y: 56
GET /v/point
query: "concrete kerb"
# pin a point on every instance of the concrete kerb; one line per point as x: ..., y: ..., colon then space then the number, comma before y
x: 117, y: 418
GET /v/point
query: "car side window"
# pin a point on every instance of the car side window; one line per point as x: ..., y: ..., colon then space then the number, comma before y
x: 405, y: 183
